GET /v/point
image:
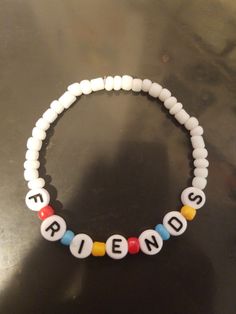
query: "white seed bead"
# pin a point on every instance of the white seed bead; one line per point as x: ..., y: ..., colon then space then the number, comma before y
x: 170, y: 102
x: 165, y: 94
x: 109, y: 83
x: 36, y: 183
x: 197, y: 141
x: 38, y: 133
x: 182, y: 116
x: 34, y: 144
x: 53, y: 228
x: 31, y: 174
x: 176, y: 108
x: 97, y: 84
x: 201, y: 172
x: 191, y: 123
x: 31, y: 164
x: 193, y: 197
x: 31, y: 155
x: 116, y: 246
x: 50, y: 115
x: 150, y: 242
x: 81, y: 246
x: 75, y: 89
x: 199, y: 183
x: 37, y: 198
x: 117, y: 82
x: 146, y: 85
x: 43, y: 124
x: 200, y: 153
x: 137, y: 85
x: 197, y: 131
x: 86, y: 87
x: 155, y: 90
x: 175, y: 223
x: 57, y: 106
x: 201, y: 163
x: 67, y: 99
x: 127, y: 82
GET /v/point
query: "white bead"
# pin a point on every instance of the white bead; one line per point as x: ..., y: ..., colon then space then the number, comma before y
x: 201, y: 172
x: 165, y: 94
x: 37, y: 198
x: 137, y: 85
x: 127, y: 82
x: 53, y: 228
x: 31, y: 164
x: 155, y: 90
x: 175, y: 223
x: 31, y: 155
x: 150, y: 242
x: 197, y: 141
x: 176, y: 108
x: 117, y: 82
x: 75, y: 89
x: 67, y: 99
x: 97, y: 84
x: 201, y: 163
x: 86, y: 87
x: 36, y: 183
x: 182, y: 116
x: 43, y: 124
x: 146, y: 85
x: 31, y: 174
x: 57, y: 106
x: 198, y: 130
x: 193, y: 197
x: 81, y: 246
x: 34, y: 144
x: 170, y: 102
x: 191, y: 123
x: 199, y: 182
x: 38, y: 133
x: 109, y: 82
x: 50, y: 115
x: 200, y: 153
x: 116, y: 246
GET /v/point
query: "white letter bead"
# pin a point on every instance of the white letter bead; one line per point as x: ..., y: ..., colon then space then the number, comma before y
x: 200, y: 153
x: 31, y: 164
x: 176, y: 108
x: 193, y: 197
x: 197, y: 141
x: 75, y: 89
x: 199, y: 183
x: 137, y: 85
x: 116, y: 246
x: 43, y: 124
x: 53, y: 228
x: 97, y: 84
x: 117, y: 82
x: 150, y: 242
x: 165, y: 94
x: 175, y: 223
x: 201, y: 163
x: 50, y: 115
x: 38, y: 133
x: 34, y: 144
x: 146, y: 85
x: 57, y: 106
x: 109, y: 83
x: 201, y: 172
x: 191, y: 123
x: 37, y: 198
x: 127, y: 82
x: 170, y: 102
x: 31, y: 174
x: 31, y: 155
x: 67, y: 99
x: 86, y: 87
x: 81, y: 245
x: 198, y: 130
x: 182, y: 116
x: 155, y: 90
x: 36, y: 183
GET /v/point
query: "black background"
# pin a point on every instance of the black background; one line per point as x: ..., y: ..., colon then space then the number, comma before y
x: 116, y: 161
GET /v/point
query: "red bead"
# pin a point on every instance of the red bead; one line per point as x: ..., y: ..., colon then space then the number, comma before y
x: 133, y: 245
x: 46, y: 212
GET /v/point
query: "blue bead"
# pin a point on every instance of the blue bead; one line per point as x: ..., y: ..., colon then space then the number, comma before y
x: 67, y: 238
x: 162, y: 231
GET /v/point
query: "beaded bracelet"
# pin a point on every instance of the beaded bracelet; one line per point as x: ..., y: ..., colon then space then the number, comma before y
x: 150, y: 242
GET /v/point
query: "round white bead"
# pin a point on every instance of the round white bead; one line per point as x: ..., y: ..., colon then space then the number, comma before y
x: 150, y: 242
x: 146, y: 85
x: 193, y: 197
x: 31, y: 155
x: 127, y: 82
x: 31, y: 164
x: 53, y: 228
x: 175, y: 223
x: 137, y: 85
x: 43, y: 124
x: 116, y: 246
x: 199, y: 183
x: 201, y: 172
x: 67, y: 99
x: 191, y: 123
x: 38, y: 133
x: 200, y: 153
x: 57, y: 106
x: 182, y: 116
x: 198, y: 130
x: 97, y: 84
x: 50, y: 115
x: 201, y: 163
x: 117, y: 82
x: 197, y: 141
x: 75, y: 89
x: 109, y: 83
x: 165, y: 94
x: 86, y: 87
x: 155, y: 90
x: 34, y: 144
x: 176, y: 108
x: 31, y: 174
x: 81, y: 246
x: 37, y: 198
x: 170, y: 102
x: 36, y: 183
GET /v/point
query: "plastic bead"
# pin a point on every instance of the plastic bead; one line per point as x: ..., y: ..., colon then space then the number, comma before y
x: 31, y: 155
x: 127, y: 82
x: 97, y: 84
x: 50, y: 115
x: 117, y: 82
x: 176, y: 108
x: 31, y: 174
x: 31, y: 164
x: 67, y: 99
x: 43, y: 124
x: 116, y: 246
x: 175, y: 223
x: 155, y: 90
x: 197, y: 131
x: 165, y: 94
x: 146, y: 85
x: 193, y: 197
x: 37, y: 198
x: 109, y: 83
x: 191, y: 123
x: 36, y: 183
x: 199, y: 182
x: 182, y: 116
x: 150, y: 242
x: 86, y: 87
x: 53, y: 228
x: 38, y: 133
x: 197, y: 141
x: 201, y: 163
x: 57, y: 106
x: 200, y: 153
x: 133, y: 245
x: 137, y: 85
x: 75, y: 89
x: 201, y: 172
x: 34, y: 144
x: 170, y: 102
x: 99, y: 249
x: 46, y: 212
x: 162, y: 231
x: 81, y: 245
x: 67, y: 238
x: 188, y: 212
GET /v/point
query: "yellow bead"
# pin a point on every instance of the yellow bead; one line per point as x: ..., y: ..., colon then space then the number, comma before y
x: 99, y: 249
x: 188, y: 212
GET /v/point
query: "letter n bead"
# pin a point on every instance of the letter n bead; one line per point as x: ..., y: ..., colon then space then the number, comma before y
x: 150, y: 242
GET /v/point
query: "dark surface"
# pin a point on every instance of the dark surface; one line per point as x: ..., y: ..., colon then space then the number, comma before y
x: 116, y: 161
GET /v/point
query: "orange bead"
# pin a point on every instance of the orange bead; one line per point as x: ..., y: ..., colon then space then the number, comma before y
x: 188, y: 212
x: 99, y: 249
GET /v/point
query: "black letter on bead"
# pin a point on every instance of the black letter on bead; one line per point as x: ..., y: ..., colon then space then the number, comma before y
x: 194, y: 198
x: 116, y: 245
x: 81, y: 246
x: 54, y: 227
x: 170, y: 222
x: 153, y: 243
x: 35, y: 197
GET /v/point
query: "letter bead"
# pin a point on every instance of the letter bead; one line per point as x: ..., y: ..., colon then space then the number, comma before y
x: 175, y: 223
x: 133, y: 245
x: 36, y: 199
x: 193, y: 197
x: 150, y: 242
x: 188, y: 212
x: 99, y: 249
x: 53, y: 228
x: 116, y: 246
x: 81, y: 245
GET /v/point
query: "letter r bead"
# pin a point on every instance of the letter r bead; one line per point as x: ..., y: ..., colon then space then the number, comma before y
x: 53, y: 228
